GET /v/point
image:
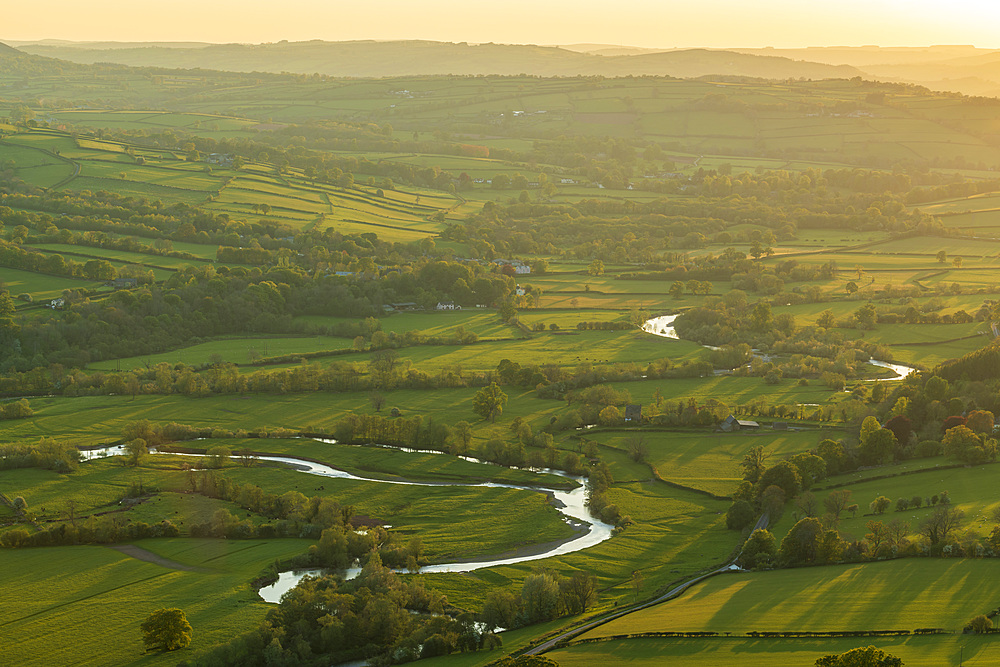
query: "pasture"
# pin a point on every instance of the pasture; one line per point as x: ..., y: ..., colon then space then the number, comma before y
x: 710, y: 461
x: 766, y: 652
x: 229, y: 350
x: 63, y: 591
x: 896, y: 595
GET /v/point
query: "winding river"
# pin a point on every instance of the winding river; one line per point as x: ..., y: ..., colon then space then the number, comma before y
x: 571, y: 504
x: 663, y: 326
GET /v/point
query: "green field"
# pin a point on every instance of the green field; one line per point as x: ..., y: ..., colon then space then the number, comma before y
x: 723, y: 652
x: 895, y: 595
x: 230, y: 350
x: 39, y: 285
x: 711, y: 461
x: 62, y: 590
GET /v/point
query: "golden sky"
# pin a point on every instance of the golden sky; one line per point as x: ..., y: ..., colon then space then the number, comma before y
x: 652, y: 23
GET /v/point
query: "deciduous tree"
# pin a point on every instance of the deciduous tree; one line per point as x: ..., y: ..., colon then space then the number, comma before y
x: 167, y: 629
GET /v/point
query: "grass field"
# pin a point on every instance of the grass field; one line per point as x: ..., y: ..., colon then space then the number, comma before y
x: 939, y: 651
x: 710, y: 461
x: 39, y: 285
x: 63, y: 591
x: 231, y: 350
x: 903, y: 595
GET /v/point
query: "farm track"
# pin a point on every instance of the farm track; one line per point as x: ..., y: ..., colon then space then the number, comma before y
x: 139, y: 553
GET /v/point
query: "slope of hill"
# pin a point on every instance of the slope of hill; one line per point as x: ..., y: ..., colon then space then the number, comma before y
x: 401, y: 58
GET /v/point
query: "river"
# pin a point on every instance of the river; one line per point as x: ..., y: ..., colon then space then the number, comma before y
x: 663, y: 326
x: 571, y: 504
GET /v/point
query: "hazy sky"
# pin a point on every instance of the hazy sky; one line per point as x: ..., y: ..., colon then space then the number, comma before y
x: 654, y: 23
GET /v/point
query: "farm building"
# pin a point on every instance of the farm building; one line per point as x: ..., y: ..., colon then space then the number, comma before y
x: 447, y: 305
x: 122, y: 283
x: 633, y: 413
x: 731, y: 423
x: 519, y: 267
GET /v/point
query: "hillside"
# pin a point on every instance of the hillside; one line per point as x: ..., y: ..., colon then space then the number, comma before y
x: 405, y: 58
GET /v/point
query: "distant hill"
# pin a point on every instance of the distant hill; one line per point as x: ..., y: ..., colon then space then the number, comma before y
x: 402, y: 58
x: 960, y: 69
x: 863, y: 56
x: 62, y: 43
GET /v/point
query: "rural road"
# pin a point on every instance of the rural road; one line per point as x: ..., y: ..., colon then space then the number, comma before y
x: 672, y: 593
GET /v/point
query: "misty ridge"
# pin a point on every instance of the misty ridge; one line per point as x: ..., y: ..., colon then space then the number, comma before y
x: 963, y: 69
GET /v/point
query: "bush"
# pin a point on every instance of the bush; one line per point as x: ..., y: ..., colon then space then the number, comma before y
x: 739, y: 516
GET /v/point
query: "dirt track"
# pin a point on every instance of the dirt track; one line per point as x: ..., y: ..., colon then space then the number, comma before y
x: 148, y: 556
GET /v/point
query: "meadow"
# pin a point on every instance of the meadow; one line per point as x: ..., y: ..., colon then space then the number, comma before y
x: 725, y: 651
x: 64, y: 591
x: 894, y: 595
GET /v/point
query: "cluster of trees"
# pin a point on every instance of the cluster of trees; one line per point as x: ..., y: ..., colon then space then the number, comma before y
x: 544, y: 596
x: 105, y: 529
x: 864, y: 656
x: 377, y: 616
x: 48, y: 454
x: 732, y: 320
x: 19, y: 409
x: 357, y: 428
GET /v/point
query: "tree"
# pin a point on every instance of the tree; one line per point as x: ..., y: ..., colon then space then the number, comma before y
x: 218, y: 455
x: 500, y: 610
x: 837, y: 502
x: 489, y: 402
x: 610, y: 416
x: 961, y: 443
x: 980, y: 421
x: 868, y: 656
x: 826, y: 319
x: 833, y: 453
x: 135, y: 450
x: 167, y: 629
x: 596, y: 268
x: 942, y: 256
x: 802, y: 543
x: 878, y: 445
x: 247, y: 457
x: 580, y: 591
x: 901, y: 427
x: 806, y: 503
x: 759, y: 549
x: 940, y: 526
x: 783, y: 475
x: 377, y: 399
x: 540, y: 599
x: 936, y: 388
x: 880, y: 505
x: 980, y: 625
x: 866, y: 317
x: 740, y: 515
x: 760, y: 316
x: 635, y: 444
x: 753, y: 463
x: 811, y: 467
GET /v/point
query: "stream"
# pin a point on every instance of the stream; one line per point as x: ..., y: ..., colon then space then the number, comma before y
x: 663, y: 326
x: 571, y: 504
